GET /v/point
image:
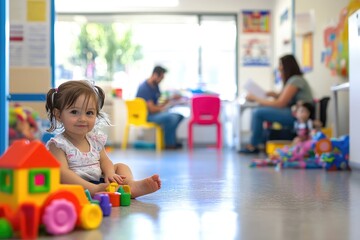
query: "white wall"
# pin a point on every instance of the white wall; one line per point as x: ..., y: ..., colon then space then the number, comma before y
x: 282, y: 29
x: 354, y: 76
x: 321, y: 78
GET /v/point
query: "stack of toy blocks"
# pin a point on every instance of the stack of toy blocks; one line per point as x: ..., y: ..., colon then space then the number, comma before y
x: 114, y: 196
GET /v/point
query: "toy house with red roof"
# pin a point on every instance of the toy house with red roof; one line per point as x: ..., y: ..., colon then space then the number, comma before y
x: 28, y: 173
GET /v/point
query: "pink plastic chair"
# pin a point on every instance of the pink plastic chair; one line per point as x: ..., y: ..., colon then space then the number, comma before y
x: 205, y: 111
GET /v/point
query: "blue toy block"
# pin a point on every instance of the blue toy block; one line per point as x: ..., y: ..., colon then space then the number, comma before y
x: 105, y: 204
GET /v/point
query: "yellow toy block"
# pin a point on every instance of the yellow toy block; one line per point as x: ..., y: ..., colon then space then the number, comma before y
x: 271, y: 146
x: 112, y: 187
x: 327, y: 132
x: 126, y: 188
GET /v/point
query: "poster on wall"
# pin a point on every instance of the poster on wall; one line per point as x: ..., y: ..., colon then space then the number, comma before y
x: 29, y: 43
x: 335, y: 56
x: 307, y: 53
x: 256, y: 21
x: 255, y: 51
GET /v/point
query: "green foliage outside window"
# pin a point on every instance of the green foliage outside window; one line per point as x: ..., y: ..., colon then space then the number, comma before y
x: 102, y: 42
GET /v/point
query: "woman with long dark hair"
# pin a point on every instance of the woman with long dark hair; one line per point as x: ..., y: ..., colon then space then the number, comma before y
x: 277, y: 108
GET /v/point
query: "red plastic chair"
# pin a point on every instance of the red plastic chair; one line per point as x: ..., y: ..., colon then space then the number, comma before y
x: 205, y: 111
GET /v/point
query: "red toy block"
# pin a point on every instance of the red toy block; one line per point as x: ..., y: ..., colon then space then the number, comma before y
x: 114, y: 198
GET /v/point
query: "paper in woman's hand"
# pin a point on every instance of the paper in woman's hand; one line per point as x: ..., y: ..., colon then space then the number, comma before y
x: 253, y: 88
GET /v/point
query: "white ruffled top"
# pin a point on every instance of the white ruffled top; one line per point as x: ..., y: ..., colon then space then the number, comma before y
x: 85, y: 164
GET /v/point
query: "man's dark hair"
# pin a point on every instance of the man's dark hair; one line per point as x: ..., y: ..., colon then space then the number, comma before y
x: 159, y: 70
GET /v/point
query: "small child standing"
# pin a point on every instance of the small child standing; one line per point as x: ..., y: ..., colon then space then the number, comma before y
x: 75, y: 108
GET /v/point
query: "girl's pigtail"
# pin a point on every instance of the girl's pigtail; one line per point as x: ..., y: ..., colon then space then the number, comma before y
x: 101, y: 96
x: 50, y: 106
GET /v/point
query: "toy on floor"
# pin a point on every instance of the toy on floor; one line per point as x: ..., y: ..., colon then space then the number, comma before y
x: 319, y: 152
x: 310, y: 148
x: 31, y: 195
x: 119, y: 195
x: 272, y: 145
x: 300, y: 155
x: 321, y: 145
x: 125, y: 195
x: 338, y: 158
x: 102, y: 200
x: 264, y: 162
x: 115, y: 196
x: 311, y: 163
x: 298, y: 152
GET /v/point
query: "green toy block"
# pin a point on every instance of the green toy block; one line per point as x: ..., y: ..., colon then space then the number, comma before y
x: 125, y: 199
x: 124, y: 189
x: 88, y: 195
x: 121, y: 190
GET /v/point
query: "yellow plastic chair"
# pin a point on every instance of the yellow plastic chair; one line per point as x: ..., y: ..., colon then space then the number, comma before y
x: 137, y: 117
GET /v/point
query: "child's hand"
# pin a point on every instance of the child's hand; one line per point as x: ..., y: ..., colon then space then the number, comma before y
x: 119, y: 179
x: 98, y: 188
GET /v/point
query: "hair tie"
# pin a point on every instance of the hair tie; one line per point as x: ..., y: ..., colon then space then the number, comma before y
x: 53, y: 95
x: 96, y: 90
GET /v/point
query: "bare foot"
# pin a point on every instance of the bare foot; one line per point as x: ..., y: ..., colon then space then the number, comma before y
x: 145, y: 186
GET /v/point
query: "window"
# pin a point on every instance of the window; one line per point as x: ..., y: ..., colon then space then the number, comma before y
x: 199, y: 51
x: 6, y: 180
x: 39, y: 180
x: 218, y: 58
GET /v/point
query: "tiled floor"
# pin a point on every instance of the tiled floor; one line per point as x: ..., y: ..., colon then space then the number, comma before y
x: 207, y: 195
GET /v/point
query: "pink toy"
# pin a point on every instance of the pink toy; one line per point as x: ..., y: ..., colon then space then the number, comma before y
x: 60, y: 217
x: 205, y: 111
x: 300, y: 151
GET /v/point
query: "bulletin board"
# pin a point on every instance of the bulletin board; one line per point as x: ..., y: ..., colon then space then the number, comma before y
x: 30, y: 52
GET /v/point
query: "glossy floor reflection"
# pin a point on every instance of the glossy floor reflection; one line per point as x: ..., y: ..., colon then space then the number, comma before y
x: 210, y: 195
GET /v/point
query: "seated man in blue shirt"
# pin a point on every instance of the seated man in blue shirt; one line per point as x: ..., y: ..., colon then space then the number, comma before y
x: 150, y: 91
